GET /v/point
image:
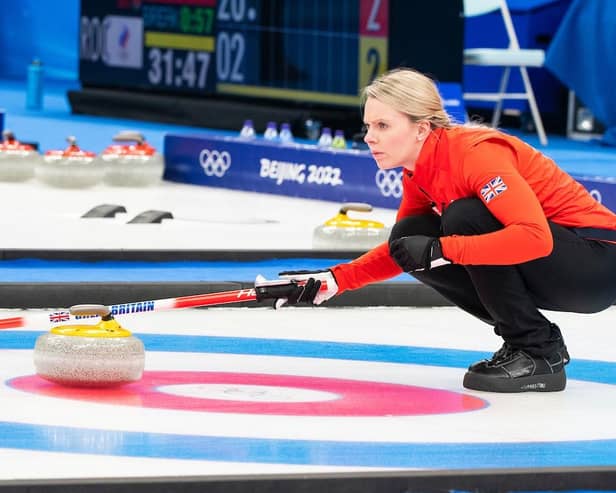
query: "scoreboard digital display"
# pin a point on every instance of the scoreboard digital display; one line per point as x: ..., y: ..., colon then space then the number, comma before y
x: 314, y: 51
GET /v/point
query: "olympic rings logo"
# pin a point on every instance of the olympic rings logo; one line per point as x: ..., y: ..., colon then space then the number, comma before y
x: 214, y: 163
x: 389, y: 182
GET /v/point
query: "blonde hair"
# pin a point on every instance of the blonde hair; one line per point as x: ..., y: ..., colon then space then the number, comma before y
x: 411, y: 93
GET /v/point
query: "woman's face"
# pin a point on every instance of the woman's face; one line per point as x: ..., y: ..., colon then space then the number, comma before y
x: 394, y: 140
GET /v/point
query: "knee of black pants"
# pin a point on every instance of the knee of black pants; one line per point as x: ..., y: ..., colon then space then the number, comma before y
x: 425, y: 224
x: 468, y: 217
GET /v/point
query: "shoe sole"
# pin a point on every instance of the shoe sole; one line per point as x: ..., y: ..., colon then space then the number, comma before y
x: 554, y: 382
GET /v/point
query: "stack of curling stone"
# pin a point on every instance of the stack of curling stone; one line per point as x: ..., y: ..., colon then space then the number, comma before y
x: 17, y: 160
x: 344, y: 233
x: 101, y: 355
x: 132, y: 164
x: 71, y: 167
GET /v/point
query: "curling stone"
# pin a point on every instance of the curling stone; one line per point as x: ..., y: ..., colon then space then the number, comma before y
x: 17, y: 160
x: 101, y: 355
x: 344, y: 233
x: 135, y: 164
x: 71, y: 167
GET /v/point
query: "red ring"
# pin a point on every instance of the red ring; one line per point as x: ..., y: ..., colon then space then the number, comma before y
x: 357, y: 398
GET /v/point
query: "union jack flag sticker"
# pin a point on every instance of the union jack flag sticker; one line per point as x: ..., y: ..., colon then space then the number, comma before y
x: 56, y: 317
x: 494, y: 187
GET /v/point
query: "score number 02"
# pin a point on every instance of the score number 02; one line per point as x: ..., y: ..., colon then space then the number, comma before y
x: 178, y: 68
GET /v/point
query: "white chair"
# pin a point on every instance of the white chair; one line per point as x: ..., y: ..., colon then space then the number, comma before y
x: 508, y: 58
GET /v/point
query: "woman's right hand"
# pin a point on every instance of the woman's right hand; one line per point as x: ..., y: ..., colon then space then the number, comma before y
x: 314, y: 287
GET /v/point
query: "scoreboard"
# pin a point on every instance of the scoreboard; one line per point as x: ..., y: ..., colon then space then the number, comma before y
x: 313, y: 51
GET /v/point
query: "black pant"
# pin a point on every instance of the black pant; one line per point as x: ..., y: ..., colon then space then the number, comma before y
x: 578, y: 276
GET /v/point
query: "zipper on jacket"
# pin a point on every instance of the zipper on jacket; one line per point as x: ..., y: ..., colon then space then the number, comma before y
x: 432, y: 202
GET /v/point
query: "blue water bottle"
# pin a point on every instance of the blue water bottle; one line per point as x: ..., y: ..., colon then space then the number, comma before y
x: 271, y: 131
x: 286, y: 135
x: 248, y: 131
x: 325, y: 140
x: 34, y: 94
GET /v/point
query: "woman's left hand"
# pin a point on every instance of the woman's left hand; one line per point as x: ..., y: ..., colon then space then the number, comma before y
x: 416, y: 253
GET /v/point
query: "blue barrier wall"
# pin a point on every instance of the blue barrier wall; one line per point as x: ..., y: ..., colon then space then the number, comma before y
x: 295, y: 170
x: 48, y: 30
x: 300, y: 170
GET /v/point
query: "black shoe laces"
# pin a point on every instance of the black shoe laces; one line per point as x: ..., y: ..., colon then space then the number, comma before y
x: 503, y: 353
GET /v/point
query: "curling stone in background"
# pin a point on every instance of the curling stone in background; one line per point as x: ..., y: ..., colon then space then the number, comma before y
x: 17, y: 160
x: 100, y: 355
x: 344, y: 233
x: 132, y: 162
x: 70, y: 168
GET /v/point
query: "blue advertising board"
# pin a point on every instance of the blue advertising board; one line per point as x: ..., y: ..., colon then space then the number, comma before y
x: 301, y: 170
x: 297, y: 170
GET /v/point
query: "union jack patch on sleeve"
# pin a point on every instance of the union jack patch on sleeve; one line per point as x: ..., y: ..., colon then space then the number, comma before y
x: 493, y: 188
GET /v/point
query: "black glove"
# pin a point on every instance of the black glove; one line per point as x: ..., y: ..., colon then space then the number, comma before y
x: 311, y: 292
x: 304, y: 293
x: 416, y: 253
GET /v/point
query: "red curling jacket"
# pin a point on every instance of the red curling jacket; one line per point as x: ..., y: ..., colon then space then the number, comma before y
x: 520, y: 186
